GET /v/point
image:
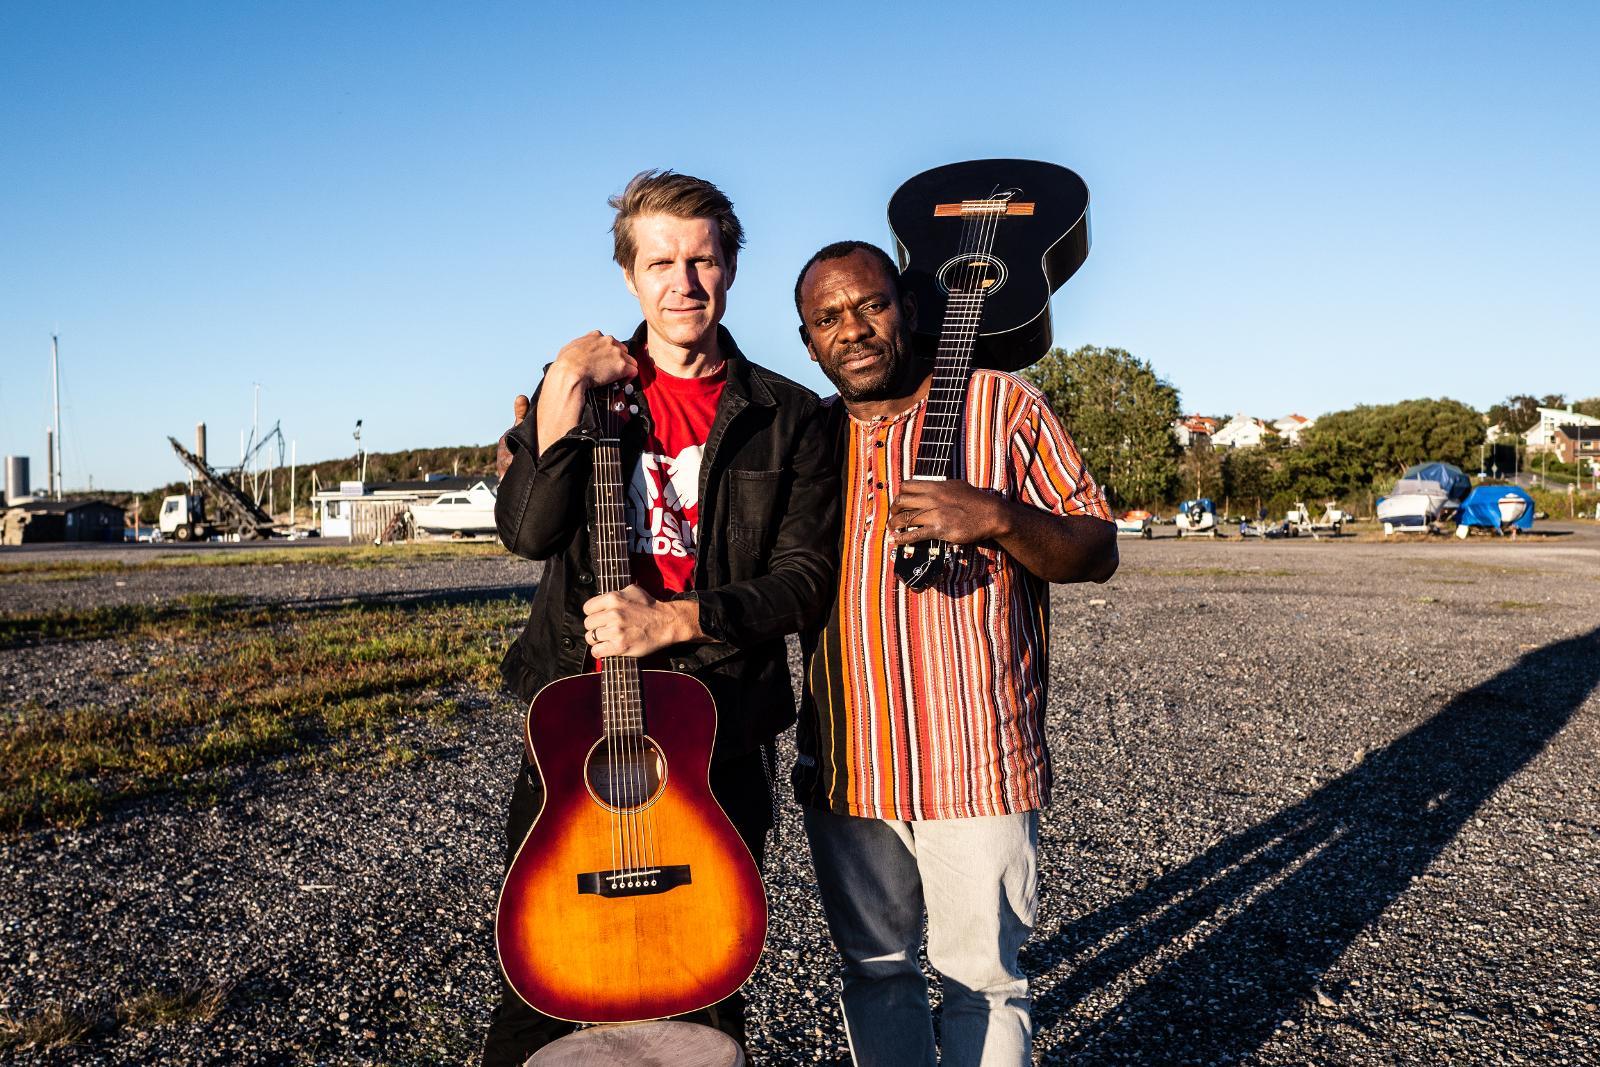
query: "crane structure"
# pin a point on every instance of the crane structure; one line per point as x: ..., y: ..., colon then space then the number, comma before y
x: 234, y: 509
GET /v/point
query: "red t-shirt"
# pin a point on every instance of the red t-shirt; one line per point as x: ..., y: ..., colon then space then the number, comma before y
x: 663, y: 507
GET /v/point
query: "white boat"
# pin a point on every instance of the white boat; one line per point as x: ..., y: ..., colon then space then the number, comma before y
x: 1412, y: 511
x: 1424, y: 494
x: 1196, y: 518
x: 1135, y: 524
x: 1511, y: 508
x: 462, y: 511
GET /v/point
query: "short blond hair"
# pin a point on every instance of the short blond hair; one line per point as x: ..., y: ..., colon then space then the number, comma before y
x: 666, y: 192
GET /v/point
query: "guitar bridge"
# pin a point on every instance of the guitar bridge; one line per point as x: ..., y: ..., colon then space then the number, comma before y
x: 634, y: 882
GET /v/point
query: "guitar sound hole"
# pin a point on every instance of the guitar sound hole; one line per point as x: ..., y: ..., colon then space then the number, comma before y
x: 972, y: 274
x: 625, y: 774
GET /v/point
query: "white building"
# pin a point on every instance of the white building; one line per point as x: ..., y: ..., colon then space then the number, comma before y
x: 1190, y: 428
x: 1241, y: 432
x: 1541, y: 438
x: 1291, y: 426
x: 361, y: 512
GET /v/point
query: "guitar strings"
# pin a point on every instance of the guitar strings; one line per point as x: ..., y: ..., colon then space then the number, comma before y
x: 620, y: 680
x: 978, y: 241
x: 601, y: 453
x: 603, y: 565
x: 628, y: 747
x: 625, y: 678
x: 964, y: 305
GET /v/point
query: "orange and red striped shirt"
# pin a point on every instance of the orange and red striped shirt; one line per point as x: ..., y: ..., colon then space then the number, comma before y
x: 930, y: 704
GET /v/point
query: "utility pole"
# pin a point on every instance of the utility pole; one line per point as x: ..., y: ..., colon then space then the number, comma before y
x: 255, y: 429
x: 292, y: 464
x: 54, y: 461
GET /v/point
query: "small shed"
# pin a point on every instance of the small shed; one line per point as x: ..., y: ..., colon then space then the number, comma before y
x: 38, y: 521
x: 361, y: 512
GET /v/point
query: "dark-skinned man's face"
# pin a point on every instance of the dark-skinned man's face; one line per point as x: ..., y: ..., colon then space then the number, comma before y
x: 856, y: 330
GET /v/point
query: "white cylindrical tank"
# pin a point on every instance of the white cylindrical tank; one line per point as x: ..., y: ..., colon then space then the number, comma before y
x: 17, y: 487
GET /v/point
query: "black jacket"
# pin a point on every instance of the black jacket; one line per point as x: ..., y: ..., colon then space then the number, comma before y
x: 766, y: 557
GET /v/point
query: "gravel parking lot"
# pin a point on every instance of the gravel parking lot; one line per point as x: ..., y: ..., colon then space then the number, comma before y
x: 1327, y: 802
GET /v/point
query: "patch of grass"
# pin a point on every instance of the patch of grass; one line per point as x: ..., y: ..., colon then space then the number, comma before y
x: 1213, y: 572
x: 53, y: 1028
x: 178, y: 617
x: 65, y: 571
x: 248, y: 687
x: 199, y: 1002
x: 1517, y: 605
x: 336, y: 555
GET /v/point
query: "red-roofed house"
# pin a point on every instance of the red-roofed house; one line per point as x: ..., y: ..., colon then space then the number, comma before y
x: 1189, y: 427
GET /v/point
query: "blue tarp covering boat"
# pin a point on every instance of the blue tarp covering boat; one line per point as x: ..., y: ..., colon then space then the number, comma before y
x: 1497, y: 507
x: 1446, y: 476
x: 1197, y: 516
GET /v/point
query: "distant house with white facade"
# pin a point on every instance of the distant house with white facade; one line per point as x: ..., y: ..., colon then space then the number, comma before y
x: 1242, y: 431
x: 361, y: 512
x: 1542, y: 438
x: 1291, y: 426
x: 1191, y: 427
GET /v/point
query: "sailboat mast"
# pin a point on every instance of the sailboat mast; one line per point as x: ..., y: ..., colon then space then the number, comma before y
x: 55, y: 396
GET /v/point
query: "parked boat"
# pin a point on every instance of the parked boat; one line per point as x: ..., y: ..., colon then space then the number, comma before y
x: 1197, y: 518
x: 1424, y: 494
x: 1501, y: 508
x: 464, y: 511
x: 1135, y: 523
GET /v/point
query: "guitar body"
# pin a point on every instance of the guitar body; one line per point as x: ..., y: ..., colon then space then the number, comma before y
x: 636, y: 900
x: 1033, y: 254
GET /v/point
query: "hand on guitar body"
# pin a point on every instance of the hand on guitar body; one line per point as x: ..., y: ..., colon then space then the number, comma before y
x: 946, y: 510
x: 631, y: 622
x: 1057, y: 548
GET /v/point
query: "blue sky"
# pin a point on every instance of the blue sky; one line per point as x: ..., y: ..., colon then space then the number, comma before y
x: 397, y: 212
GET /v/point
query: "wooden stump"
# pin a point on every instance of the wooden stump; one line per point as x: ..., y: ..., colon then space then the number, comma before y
x: 658, y: 1044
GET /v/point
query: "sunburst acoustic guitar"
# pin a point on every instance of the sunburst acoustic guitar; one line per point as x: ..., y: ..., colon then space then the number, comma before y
x: 632, y: 897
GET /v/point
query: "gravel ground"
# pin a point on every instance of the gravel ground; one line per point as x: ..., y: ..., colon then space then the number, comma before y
x: 1318, y: 802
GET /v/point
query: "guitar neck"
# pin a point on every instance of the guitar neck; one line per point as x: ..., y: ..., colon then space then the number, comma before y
x: 621, y: 704
x: 941, y: 421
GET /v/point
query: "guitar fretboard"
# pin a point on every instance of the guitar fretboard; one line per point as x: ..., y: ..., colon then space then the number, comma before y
x: 621, y: 704
x: 941, y: 421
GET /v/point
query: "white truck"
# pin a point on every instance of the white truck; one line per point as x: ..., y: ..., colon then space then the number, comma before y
x: 183, y: 518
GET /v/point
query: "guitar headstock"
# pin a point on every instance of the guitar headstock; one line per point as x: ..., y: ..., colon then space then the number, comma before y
x: 614, y: 405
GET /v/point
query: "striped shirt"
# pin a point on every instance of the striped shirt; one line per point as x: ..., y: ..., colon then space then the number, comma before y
x: 930, y: 704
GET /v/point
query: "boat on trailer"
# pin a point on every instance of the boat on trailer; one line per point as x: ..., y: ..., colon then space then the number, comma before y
x: 1426, y: 493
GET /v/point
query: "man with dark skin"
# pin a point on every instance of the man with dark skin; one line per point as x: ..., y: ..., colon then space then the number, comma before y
x: 922, y: 762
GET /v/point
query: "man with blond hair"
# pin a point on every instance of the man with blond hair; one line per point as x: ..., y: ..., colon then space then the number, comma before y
x: 732, y: 510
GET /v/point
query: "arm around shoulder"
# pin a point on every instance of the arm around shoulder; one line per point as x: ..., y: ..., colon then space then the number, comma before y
x: 540, y: 503
x: 803, y: 564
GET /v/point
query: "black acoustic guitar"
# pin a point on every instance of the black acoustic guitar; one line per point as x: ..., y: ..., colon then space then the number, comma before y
x: 982, y: 245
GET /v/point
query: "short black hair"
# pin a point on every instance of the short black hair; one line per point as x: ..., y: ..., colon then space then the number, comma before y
x: 838, y: 250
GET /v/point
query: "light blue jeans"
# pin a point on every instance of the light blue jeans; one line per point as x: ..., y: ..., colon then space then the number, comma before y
x: 976, y: 880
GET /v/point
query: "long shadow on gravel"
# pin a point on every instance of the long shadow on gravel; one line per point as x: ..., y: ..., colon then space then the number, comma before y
x: 1302, y: 885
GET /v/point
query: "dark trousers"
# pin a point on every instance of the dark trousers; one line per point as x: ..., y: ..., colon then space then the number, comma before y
x: 743, y: 787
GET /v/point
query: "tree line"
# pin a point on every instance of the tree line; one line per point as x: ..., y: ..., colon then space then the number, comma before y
x: 1120, y: 413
